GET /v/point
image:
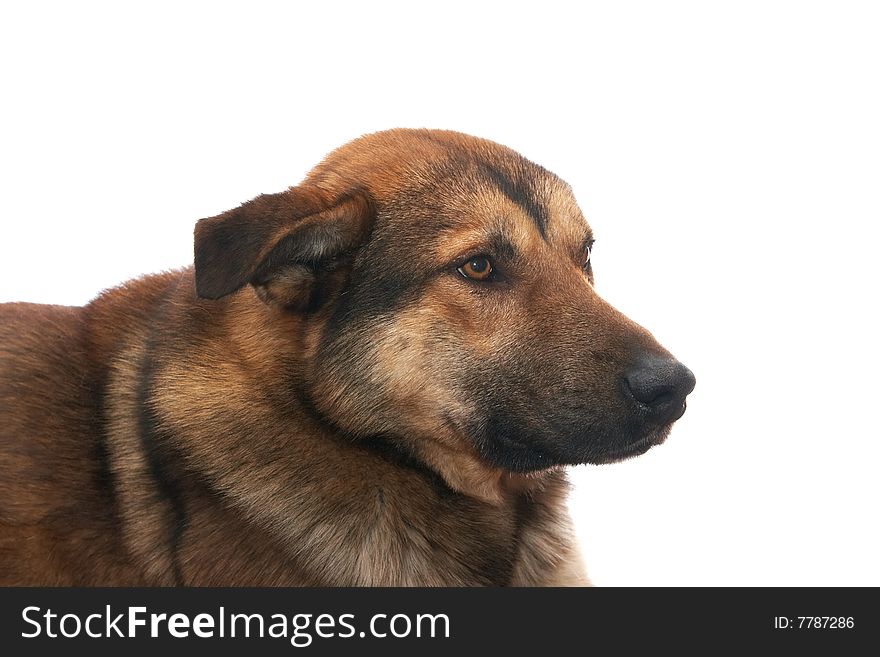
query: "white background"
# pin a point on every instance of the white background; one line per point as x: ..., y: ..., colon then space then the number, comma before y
x: 726, y: 154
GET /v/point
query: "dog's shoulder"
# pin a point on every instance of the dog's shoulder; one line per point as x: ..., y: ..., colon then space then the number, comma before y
x: 55, y: 473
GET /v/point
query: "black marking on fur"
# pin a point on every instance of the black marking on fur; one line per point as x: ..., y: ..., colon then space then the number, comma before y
x: 159, y: 458
x: 520, y: 191
x: 516, y: 180
x: 103, y: 474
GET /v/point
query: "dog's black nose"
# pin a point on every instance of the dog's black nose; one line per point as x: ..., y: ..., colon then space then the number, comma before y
x: 659, y: 386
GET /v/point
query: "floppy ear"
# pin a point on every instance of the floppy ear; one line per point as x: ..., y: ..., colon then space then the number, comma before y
x: 278, y: 242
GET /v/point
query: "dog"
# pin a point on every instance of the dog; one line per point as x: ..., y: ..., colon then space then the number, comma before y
x: 377, y: 377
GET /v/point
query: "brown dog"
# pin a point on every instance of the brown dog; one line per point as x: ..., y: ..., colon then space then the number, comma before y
x: 373, y: 378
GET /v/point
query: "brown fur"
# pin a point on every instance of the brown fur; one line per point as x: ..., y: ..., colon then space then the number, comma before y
x: 305, y: 406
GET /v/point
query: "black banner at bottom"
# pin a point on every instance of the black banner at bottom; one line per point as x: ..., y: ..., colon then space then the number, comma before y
x: 435, y: 621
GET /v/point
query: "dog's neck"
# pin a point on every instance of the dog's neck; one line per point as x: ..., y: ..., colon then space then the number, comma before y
x: 458, y: 466
x: 466, y: 474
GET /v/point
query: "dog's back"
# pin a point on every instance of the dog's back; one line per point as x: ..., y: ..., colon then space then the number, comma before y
x: 53, y: 475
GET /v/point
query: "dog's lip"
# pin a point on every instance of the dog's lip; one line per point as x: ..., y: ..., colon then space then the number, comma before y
x: 681, y: 412
x: 639, y: 447
x: 646, y: 412
x: 635, y: 449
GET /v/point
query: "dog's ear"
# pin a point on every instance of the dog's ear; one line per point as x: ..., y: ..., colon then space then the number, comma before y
x: 278, y: 242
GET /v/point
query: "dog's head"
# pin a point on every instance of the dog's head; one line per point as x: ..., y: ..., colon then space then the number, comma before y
x: 445, y: 288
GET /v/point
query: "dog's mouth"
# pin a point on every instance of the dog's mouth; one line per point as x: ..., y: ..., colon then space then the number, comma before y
x: 517, y: 450
x: 655, y: 437
x: 522, y: 456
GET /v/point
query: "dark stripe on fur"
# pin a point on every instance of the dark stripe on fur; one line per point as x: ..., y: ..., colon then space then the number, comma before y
x: 518, y: 190
x: 516, y: 182
x: 103, y: 474
x: 159, y: 459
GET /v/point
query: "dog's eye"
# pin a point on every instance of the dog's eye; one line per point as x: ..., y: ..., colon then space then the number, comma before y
x: 478, y: 268
x: 587, y: 252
